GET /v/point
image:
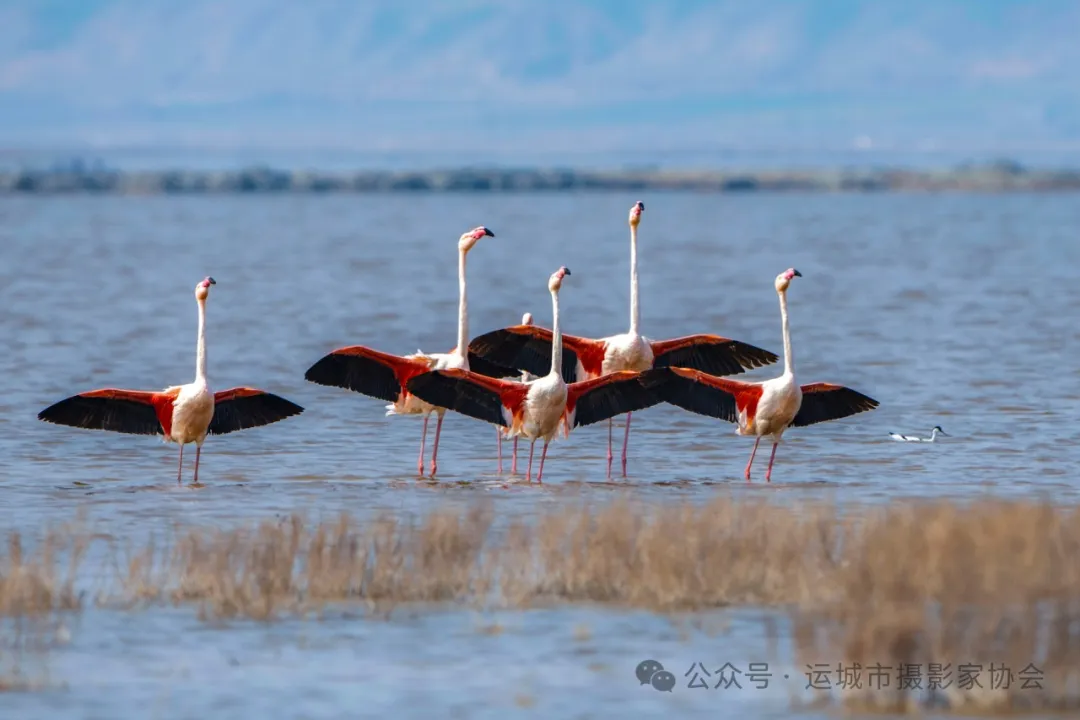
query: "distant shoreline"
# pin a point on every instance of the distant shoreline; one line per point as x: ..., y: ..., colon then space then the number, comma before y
x: 994, y: 177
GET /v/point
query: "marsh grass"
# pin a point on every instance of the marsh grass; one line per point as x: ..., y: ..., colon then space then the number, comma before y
x: 37, y: 591
x: 989, y: 593
x: 914, y: 583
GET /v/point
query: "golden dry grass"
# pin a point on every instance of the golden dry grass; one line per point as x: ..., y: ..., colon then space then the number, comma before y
x: 36, y: 588
x: 40, y: 581
x: 981, y: 591
x: 911, y: 583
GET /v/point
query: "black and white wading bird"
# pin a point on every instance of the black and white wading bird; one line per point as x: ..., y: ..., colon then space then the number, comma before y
x: 911, y: 438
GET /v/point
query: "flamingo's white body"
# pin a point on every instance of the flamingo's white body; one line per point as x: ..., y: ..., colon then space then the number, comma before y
x: 544, y: 407
x: 760, y: 409
x: 535, y: 409
x: 192, y: 411
x: 912, y: 438
x: 385, y: 376
x: 182, y: 414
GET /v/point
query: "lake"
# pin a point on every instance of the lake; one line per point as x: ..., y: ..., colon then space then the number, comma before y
x: 951, y: 310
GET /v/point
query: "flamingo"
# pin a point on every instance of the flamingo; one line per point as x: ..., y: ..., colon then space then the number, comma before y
x: 535, y: 409
x: 526, y: 376
x: 759, y: 408
x: 181, y: 413
x: 384, y: 376
x: 912, y: 438
x: 529, y: 348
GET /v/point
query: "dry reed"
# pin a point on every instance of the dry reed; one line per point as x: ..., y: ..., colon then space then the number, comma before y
x: 972, y: 608
x: 37, y: 587
x: 903, y: 586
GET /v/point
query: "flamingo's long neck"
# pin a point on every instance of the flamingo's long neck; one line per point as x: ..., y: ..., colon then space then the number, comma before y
x: 463, y: 309
x: 556, y: 336
x: 789, y: 361
x: 200, y: 349
x: 635, y: 311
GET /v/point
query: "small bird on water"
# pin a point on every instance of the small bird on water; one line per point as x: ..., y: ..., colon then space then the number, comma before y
x: 911, y: 438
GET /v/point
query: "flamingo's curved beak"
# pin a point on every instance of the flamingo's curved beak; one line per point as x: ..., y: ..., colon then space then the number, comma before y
x: 488, y: 233
x: 796, y: 273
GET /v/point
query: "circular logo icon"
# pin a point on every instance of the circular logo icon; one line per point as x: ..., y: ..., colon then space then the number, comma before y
x: 646, y: 669
x: 663, y: 681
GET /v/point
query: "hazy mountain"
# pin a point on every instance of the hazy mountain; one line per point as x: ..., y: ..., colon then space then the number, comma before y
x: 525, y: 79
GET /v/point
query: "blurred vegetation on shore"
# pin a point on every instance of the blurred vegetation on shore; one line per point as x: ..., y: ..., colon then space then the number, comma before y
x: 78, y: 177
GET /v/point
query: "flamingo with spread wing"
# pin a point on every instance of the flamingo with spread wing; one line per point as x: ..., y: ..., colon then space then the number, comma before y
x: 183, y: 414
x: 761, y: 409
x: 385, y: 376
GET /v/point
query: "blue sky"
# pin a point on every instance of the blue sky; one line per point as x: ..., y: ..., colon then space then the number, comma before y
x: 513, y: 80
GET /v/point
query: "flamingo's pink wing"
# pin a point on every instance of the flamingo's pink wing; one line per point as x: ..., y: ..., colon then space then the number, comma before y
x: 605, y: 397
x: 136, y: 412
x: 243, y: 407
x: 702, y: 393
x: 528, y: 348
x: 366, y: 371
x: 824, y: 401
x: 713, y: 354
x: 469, y: 393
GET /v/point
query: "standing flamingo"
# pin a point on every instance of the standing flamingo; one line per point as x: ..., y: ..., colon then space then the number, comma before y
x: 182, y: 413
x: 384, y: 376
x: 761, y: 408
x: 526, y: 376
x: 530, y: 348
x: 536, y: 408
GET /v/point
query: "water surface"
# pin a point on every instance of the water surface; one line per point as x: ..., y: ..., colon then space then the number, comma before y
x: 953, y: 310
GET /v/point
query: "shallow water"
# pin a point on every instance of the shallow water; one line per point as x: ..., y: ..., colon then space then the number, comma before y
x: 954, y: 310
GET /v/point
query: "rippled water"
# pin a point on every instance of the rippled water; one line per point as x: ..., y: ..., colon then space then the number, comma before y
x: 957, y: 311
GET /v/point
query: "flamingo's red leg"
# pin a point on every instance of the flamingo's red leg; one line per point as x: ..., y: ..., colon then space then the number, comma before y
x: 513, y: 466
x: 543, y: 454
x: 752, y: 454
x: 180, y: 468
x: 423, y: 440
x: 435, y: 450
x: 625, y: 442
x: 198, y: 452
x: 498, y: 434
x: 610, y: 456
x: 532, y: 446
x: 768, y: 472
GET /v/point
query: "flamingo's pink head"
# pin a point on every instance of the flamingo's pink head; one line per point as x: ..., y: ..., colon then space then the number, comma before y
x: 784, y: 279
x: 202, y: 290
x: 635, y: 213
x: 526, y: 319
x: 465, y: 244
x: 556, y: 278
